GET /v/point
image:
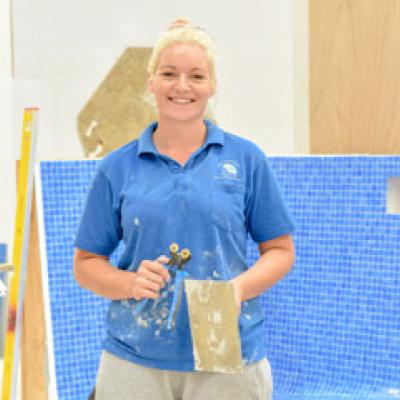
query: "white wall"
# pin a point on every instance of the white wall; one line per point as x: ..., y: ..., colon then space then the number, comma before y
x: 63, y: 49
x: 7, y: 156
x: 300, y: 65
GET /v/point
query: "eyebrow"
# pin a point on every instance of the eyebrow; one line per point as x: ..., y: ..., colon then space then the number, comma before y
x: 173, y: 67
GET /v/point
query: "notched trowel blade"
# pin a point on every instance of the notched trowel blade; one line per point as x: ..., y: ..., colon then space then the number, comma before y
x: 214, y: 326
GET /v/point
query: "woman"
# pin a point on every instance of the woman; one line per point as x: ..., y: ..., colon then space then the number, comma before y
x: 187, y: 181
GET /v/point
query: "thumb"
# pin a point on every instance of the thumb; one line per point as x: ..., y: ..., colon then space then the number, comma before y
x: 162, y: 259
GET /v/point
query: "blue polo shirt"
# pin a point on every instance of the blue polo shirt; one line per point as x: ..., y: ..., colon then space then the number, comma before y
x: 225, y: 191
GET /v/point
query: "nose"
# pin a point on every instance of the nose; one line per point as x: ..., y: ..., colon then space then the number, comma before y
x: 183, y: 83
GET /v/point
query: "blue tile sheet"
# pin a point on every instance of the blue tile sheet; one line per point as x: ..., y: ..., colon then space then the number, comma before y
x: 77, y: 315
x: 332, y: 326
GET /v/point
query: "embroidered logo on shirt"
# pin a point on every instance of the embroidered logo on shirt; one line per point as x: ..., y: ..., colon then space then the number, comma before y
x: 228, y: 169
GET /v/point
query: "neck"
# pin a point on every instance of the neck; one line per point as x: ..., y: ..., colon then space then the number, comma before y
x: 179, y: 134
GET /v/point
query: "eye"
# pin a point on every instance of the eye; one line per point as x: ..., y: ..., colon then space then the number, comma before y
x: 198, y: 77
x: 167, y: 74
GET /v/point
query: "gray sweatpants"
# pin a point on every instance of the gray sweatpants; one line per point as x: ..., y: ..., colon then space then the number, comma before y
x: 122, y: 380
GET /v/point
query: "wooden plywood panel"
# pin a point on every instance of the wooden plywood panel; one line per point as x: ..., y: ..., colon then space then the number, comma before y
x: 354, y: 76
x: 33, y: 365
x: 117, y: 112
x: 33, y: 337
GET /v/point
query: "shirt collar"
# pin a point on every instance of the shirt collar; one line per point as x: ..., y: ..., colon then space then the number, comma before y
x: 146, y: 144
x: 214, y: 136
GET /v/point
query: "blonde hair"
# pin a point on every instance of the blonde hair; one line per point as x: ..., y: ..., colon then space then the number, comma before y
x: 181, y: 31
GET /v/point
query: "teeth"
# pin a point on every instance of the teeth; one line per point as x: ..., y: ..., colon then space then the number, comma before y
x: 181, y: 101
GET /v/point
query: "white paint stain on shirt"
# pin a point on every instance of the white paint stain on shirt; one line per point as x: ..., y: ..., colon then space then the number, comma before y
x: 216, y: 275
x: 143, y: 323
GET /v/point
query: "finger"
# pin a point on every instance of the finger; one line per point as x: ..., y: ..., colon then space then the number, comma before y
x: 152, y: 270
x: 164, y: 272
x: 153, y: 277
x: 149, y: 294
x: 162, y: 259
x: 144, y: 282
x: 159, y: 269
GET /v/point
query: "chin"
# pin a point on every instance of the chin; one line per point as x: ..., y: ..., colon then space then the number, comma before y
x: 181, y: 117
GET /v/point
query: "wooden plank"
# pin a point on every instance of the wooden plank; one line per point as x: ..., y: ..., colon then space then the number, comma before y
x: 33, y: 362
x: 117, y: 113
x: 354, y: 76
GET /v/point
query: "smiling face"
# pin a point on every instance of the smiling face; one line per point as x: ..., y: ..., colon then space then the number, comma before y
x: 182, y: 84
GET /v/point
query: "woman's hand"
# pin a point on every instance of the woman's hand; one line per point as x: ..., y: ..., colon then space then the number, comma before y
x: 149, y: 279
x: 238, y: 295
x: 275, y: 262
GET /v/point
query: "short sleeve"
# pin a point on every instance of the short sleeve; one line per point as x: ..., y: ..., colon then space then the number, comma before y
x: 267, y: 215
x: 99, y: 229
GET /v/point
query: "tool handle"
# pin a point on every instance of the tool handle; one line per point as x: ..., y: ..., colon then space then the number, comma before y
x: 180, y: 276
x: 140, y: 305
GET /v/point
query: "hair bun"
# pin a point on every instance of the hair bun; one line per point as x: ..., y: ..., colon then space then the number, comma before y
x: 179, y: 23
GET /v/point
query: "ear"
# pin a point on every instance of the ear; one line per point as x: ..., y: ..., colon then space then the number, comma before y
x: 212, y: 89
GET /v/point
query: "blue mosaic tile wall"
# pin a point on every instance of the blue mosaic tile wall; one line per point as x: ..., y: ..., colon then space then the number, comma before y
x: 332, y: 326
x: 77, y: 315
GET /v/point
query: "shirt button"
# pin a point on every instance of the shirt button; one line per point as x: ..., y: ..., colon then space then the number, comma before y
x: 175, y: 168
